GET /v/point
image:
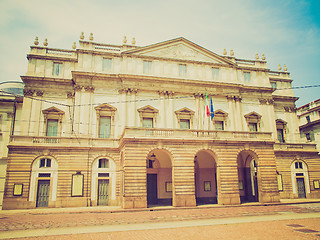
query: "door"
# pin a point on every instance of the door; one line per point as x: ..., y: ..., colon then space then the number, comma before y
x: 301, y: 188
x: 103, y: 191
x: 43, y: 193
x: 152, y: 189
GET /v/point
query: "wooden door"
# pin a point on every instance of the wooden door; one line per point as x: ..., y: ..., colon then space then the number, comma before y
x: 43, y: 193
x: 301, y: 188
x: 103, y: 191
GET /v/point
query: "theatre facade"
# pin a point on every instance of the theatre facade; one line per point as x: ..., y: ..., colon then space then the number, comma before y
x: 124, y: 125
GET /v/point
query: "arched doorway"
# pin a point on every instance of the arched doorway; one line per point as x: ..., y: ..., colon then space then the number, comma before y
x: 43, y: 182
x: 205, y: 178
x: 300, y: 179
x: 159, y: 178
x: 103, y: 184
x: 247, y: 174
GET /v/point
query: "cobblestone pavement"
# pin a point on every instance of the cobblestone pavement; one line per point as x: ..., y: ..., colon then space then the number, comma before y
x: 24, y: 220
x: 270, y: 230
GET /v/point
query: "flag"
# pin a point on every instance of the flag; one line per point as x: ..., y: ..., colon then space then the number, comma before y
x: 212, y: 112
x: 207, y: 106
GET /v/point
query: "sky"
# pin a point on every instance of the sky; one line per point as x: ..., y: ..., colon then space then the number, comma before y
x: 285, y: 31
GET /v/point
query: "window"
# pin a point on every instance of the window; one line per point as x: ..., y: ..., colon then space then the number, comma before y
x: 247, y: 77
x: 308, y: 119
x: 253, y: 121
x: 184, y: 124
x: 45, y: 162
x: 52, y: 121
x: 298, y: 165
x: 273, y: 85
x: 57, y: 69
x: 185, y: 118
x: 219, y: 125
x: 107, y: 64
x: 281, y: 130
x: 104, y: 127
x: 148, y: 116
x: 147, y: 122
x: 103, y: 163
x: 215, y: 73
x: 253, y: 127
x: 308, y: 136
x: 147, y: 67
x: 182, y: 70
x: 105, y: 119
x: 52, y: 127
x: 280, y: 135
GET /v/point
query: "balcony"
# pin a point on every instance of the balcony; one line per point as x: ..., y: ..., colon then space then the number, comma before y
x: 156, y: 133
x: 36, y: 141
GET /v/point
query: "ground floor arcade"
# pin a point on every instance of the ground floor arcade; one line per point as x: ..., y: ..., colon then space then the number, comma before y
x: 148, y: 173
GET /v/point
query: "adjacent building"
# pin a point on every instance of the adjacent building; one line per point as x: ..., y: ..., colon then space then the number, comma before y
x: 11, y: 96
x: 309, y: 122
x: 170, y: 123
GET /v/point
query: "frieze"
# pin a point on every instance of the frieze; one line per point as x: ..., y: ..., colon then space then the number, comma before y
x: 89, y: 88
x: 39, y: 93
x: 289, y: 109
x: 70, y: 94
x: 78, y: 88
x: 28, y: 92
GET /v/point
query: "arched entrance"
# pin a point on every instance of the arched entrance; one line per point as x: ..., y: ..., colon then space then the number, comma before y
x: 159, y: 178
x: 247, y: 174
x: 205, y: 178
x: 103, y: 183
x: 43, y: 182
x: 300, y: 179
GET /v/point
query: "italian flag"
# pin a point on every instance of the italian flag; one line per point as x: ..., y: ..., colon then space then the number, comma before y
x: 207, y: 106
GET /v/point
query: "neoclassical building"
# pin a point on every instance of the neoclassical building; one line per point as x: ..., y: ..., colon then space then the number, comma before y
x: 125, y: 125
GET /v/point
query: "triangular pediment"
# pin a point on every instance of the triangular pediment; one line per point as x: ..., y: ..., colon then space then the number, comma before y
x: 53, y: 110
x: 253, y: 115
x: 185, y: 111
x: 106, y: 107
x: 148, y: 109
x: 221, y: 113
x: 180, y: 49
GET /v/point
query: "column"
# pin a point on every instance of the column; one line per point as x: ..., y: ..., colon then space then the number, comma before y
x: 122, y: 110
x: 26, y: 112
x: 35, y: 114
x: 162, y: 113
x: 239, y: 117
x: 77, y: 108
x: 231, y: 113
x: 197, y: 115
x: 172, y: 118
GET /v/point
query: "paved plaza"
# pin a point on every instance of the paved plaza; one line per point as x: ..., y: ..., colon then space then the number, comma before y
x: 283, y: 221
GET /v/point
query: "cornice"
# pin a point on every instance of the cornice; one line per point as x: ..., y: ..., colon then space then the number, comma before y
x: 30, y: 79
x: 50, y: 57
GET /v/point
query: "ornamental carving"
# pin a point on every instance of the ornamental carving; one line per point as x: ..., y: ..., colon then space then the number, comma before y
x: 89, y: 88
x: 28, y: 92
x: 39, y: 93
x: 78, y: 88
x: 70, y: 94
x: 289, y: 109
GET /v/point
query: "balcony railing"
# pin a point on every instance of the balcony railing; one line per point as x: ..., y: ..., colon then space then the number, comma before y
x: 64, y: 141
x: 196, y: 134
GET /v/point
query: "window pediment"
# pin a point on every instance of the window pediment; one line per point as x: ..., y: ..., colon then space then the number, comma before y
x: 253, y: 117
x: 53, y: 113
x: 53, y: 110
x: 148, y: 109
x: 105, y: 110
x: 185, y: 112
x: 220, y: 113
